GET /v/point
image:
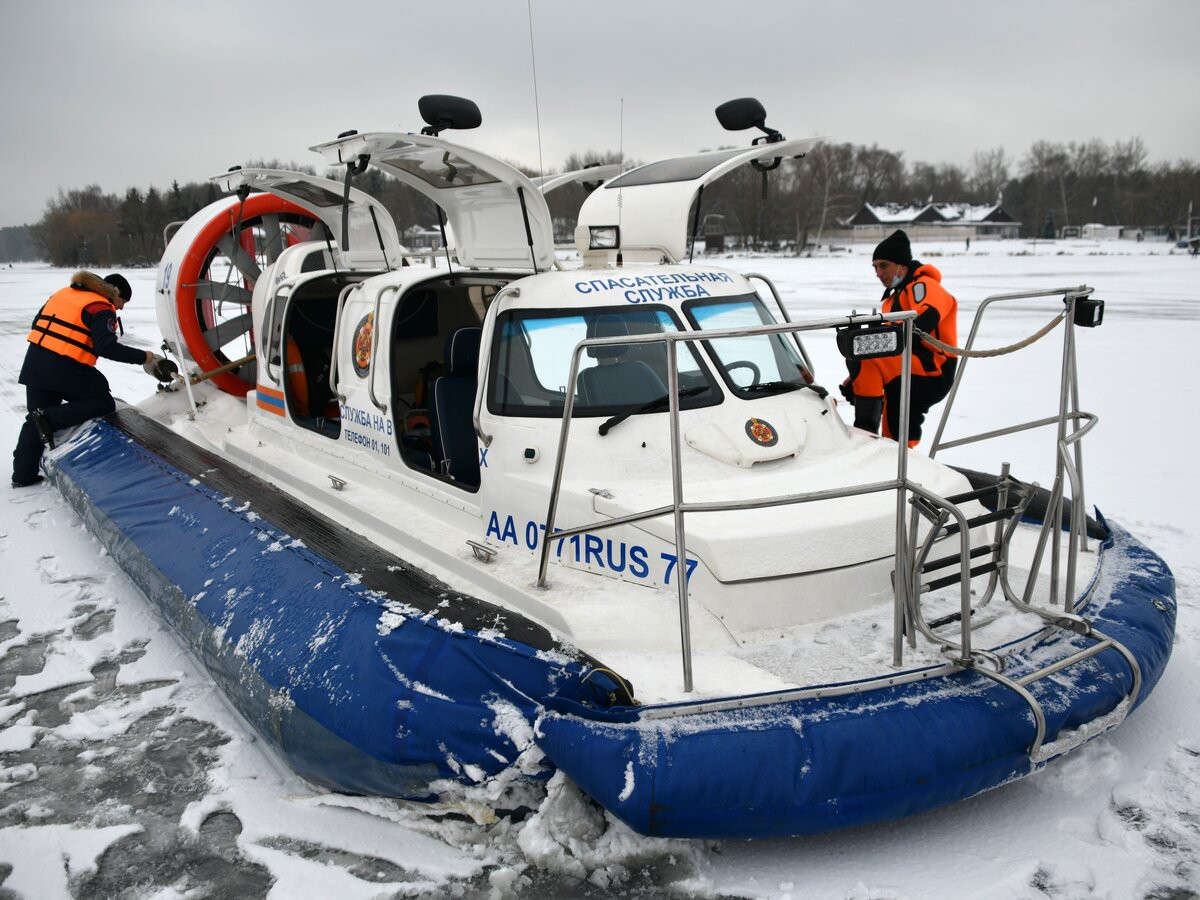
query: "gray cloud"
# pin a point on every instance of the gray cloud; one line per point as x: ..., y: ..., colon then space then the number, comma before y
x: 131, y: 93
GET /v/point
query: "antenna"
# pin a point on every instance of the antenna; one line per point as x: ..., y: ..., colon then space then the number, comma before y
x: 537, y: 115
x: 620, y: 187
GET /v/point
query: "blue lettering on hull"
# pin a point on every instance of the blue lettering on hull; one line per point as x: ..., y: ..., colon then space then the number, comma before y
x: 591, y: 550
x: 655, y: 288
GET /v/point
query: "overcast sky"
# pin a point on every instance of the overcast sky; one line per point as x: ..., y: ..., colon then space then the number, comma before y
x: 126, y: 93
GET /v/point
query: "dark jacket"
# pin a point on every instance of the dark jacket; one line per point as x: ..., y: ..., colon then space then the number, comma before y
x: 46, y: 369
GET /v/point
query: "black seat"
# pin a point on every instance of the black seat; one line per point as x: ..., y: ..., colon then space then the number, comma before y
x: 452, y: 406
x: 613, y: 381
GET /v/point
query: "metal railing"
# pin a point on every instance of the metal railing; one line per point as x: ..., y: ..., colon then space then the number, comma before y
x: 758, y: 276
x: 906, y: 614
x: 910, y: 557
x: 1068, y: 467
x: 679, y: 507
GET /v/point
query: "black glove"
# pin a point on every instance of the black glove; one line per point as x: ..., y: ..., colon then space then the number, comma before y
x: 162, y: 369
x: 868, y: 411
x: 847, y: 390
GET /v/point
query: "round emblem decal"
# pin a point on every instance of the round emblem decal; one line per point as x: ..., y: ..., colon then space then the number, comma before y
x: 362, y: 344
x: 762, y: 433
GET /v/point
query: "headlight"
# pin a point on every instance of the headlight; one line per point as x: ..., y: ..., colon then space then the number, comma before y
x: 1089, y: 312
x: 604, y: 237
x: 869, y: 342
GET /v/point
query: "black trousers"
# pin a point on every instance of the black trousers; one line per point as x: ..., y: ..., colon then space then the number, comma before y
x: 926, y: 392
x: 63, y: 409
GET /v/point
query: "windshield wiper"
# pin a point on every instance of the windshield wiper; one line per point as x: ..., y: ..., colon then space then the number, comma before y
x: 779, y: 387
x: 656, y: 403
x: 770, y: 387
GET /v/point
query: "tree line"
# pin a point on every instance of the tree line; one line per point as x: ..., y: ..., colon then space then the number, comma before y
x: 1053, y: 185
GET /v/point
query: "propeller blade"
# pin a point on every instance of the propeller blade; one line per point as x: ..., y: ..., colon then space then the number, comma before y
x: 274, y: 239
x: 228, y: 331
x: 241, y: 260
x: 223, y: 293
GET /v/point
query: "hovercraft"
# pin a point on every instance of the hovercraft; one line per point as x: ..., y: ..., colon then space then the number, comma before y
x: 461, y: 514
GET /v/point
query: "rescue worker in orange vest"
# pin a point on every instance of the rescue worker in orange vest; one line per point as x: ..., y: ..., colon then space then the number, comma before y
x: 63, y: 387
x: 874, y: 384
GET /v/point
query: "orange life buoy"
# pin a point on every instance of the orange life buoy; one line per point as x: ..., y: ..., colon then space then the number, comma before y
x: 297, y: 380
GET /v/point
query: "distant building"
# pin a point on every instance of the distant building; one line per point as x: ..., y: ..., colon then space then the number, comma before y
x: 932, y: 221
x: 418, y: 238
x: 1098, y: 232
x: 713, y: 230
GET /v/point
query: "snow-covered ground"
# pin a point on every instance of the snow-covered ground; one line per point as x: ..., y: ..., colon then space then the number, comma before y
x: 124, y: 773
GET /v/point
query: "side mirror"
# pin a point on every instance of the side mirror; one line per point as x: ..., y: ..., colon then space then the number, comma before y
x: 747, y: 112
x: 442, y: 111
x: 740, y: 114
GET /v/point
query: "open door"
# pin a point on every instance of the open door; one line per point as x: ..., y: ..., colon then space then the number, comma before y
x: 371, y: 240
x: 495, y: 214
x: 650, y: 204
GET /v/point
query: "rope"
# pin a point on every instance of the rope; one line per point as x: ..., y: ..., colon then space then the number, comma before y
x: 999, y: 351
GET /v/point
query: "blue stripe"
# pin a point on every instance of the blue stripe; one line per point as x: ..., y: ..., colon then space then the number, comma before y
x: 272, y: 401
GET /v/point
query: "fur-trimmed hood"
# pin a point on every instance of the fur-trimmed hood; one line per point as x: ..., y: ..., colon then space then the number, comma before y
x: 88, y: 281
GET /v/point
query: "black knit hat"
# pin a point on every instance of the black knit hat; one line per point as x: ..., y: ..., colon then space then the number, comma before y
x: 122, y: 286
x: 894, y: 248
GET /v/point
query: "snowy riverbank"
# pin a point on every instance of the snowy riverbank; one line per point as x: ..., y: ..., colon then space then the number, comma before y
x: 123, y: 772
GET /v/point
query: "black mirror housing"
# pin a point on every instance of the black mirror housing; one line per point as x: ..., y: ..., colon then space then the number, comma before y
x: 740, y: 114
x: 442, y: 111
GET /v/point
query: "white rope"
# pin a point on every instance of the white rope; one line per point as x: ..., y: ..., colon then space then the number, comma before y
x: 999, y: 351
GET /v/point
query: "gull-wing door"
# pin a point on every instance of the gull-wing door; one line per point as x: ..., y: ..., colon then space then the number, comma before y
x: 588, y: 175
x: 496, y: 215
x: 650, y: 204
x: 371, y: 236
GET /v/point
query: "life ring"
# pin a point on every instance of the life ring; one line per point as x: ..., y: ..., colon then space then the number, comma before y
x: 207, y: 275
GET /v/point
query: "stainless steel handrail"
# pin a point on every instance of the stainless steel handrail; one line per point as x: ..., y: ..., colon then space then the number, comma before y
x: 485, y: 340
x: 964, y: 562
x: 783, y: 312
x: 269, y: 336
x: 343, y: 294
x: 375, y: 329
x: 679, y: 507
x: 1066, y: 443
x: 1080, y: 291
x: 907, y: 617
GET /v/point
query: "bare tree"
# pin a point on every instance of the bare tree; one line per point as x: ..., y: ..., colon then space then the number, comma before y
x: 1051, y: 163
x: 1088, y: 159
x: 989, y: 173
x: 1128, y: 157
x: 877, y: 173
x: 942, y: 182
x: 824, y: 183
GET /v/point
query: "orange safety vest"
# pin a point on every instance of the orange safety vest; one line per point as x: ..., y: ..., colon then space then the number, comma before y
x: 923, y: 291
x: 59, y: 327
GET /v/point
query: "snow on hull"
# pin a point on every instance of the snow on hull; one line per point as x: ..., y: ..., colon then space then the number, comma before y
x: 361, y: 688
x: 387, y: 687
x: 818, y: 764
